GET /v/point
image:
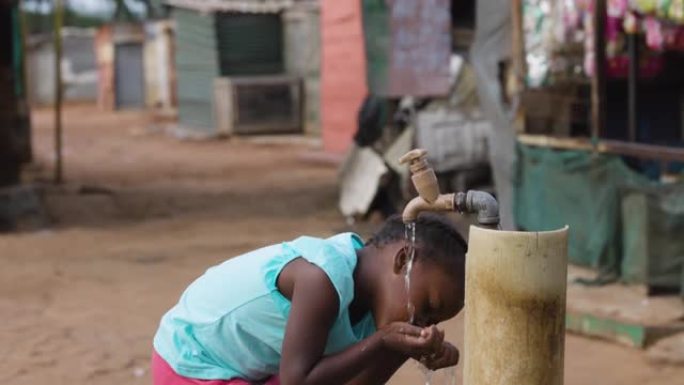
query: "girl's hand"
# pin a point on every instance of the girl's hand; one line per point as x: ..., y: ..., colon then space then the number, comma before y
x: 436, y: 338
x: 447, y: 356
x: 412, y: 340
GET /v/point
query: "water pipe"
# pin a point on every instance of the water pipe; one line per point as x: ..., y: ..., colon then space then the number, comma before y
x: 430, y: 199
x: 515, y: 294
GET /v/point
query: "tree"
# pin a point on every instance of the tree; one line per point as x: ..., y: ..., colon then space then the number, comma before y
x: 39, y: 14
x: 122, y: 12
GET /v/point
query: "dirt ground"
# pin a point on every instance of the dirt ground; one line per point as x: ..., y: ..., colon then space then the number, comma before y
x: 140, y: 216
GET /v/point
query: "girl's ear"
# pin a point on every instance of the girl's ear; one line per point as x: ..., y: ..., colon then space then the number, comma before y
x: 400, y: 260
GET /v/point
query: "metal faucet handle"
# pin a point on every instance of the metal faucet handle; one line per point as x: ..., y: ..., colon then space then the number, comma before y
x: 412, y: 156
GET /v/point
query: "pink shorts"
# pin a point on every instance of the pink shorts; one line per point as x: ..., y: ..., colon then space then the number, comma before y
x: 163, y: 374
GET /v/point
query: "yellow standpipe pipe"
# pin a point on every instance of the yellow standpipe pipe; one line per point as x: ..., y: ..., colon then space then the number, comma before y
x: 515, y: 307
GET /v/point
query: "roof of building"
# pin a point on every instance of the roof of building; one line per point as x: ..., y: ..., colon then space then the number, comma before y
x: 244, y: 6
x: 35, y: 40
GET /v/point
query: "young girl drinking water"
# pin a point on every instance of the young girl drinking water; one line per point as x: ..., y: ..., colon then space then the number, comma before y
x: 317, y: 311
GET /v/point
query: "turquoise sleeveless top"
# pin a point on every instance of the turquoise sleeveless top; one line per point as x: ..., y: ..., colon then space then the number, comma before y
x: 230, y: 322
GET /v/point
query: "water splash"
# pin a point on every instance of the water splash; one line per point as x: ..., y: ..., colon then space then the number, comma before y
x: 446, y: 376
x: 410, y: 234
x: 427, y: 373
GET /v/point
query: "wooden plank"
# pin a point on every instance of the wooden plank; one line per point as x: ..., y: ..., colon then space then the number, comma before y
x: 556, y: 142
x: 644, y: 151
x: 606, y: 328
x: 638, y: 150
x: 630, y: 334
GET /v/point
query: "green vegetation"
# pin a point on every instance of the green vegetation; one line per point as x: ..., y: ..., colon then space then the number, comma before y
x: 37, y: 22
x: 39, y: 16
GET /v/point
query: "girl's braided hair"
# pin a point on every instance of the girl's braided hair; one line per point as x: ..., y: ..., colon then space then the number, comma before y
x: 436, y: 239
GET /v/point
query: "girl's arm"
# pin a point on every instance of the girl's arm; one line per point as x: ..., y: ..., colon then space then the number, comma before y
x: 313, y: 312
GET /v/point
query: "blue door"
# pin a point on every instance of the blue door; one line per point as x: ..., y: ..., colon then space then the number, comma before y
x: 129, y: 76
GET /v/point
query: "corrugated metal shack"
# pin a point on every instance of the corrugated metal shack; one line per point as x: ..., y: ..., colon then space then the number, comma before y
x: 136, y: 66
x: 15, y: 139
x: 79, y: 67
x: 242, y: 39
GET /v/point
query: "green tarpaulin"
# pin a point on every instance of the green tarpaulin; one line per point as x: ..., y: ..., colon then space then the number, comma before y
x: 653, y: 236
x: 620, y: 222
x: 376, y: 27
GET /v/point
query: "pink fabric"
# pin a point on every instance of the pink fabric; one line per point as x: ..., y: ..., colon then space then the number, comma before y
x: 163, y: 374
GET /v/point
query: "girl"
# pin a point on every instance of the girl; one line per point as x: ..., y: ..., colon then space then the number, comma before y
x: 317, y: 311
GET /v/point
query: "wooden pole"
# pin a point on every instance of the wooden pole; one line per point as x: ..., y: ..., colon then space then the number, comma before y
x: 58, y: 20
x: 519, y: 61
x: 598, y: 81
x: 518, y: 45
x: 632, y: 84
x: 637, y: 150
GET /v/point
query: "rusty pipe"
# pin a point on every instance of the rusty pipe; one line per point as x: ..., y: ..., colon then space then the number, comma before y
x: 481, y: 203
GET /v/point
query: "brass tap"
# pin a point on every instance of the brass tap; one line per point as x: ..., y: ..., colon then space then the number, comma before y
x: 430, y: 199
x: 425, y: 182
x: 423, y: 176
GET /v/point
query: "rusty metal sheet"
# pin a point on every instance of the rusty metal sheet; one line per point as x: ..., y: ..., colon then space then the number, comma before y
x: 420, y: 47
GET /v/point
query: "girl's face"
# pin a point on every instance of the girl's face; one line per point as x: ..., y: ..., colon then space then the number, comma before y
x: 436, y: 293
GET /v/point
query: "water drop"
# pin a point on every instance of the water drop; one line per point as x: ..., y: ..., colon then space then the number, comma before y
x: 410, y: 234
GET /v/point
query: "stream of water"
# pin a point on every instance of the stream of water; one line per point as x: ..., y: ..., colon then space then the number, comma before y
x: 449, y: 374
x: 410, y: 233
